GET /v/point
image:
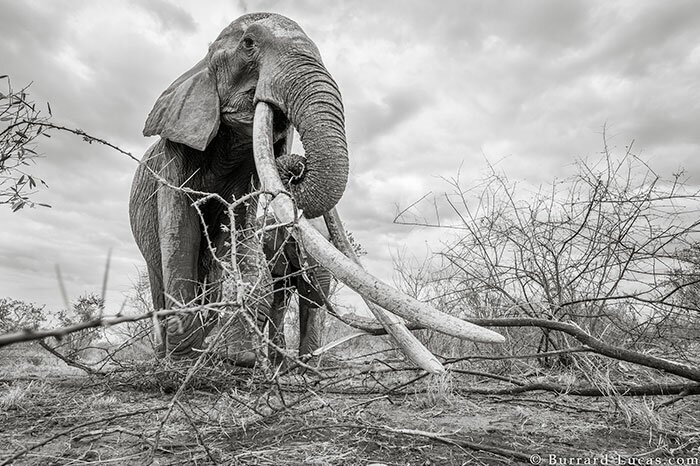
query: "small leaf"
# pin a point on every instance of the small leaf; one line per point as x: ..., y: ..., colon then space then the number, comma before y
x: 32, y: 184
x: 46, y: 134
x: 49, y: 106
x: 43, y: 205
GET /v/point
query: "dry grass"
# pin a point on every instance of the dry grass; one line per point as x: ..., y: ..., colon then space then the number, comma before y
x: 17, y: 396
x: 357, y: 413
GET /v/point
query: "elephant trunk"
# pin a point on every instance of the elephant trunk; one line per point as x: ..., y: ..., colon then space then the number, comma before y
x: 303, y: 89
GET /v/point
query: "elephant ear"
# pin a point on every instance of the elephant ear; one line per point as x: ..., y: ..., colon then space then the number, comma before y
x: 188, y: 111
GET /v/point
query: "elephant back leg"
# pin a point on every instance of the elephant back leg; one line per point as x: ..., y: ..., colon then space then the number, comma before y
x: 312, y: 314
x: 278, y: 310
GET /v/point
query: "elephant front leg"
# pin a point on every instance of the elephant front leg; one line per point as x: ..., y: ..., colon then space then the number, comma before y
x: 179, y: 234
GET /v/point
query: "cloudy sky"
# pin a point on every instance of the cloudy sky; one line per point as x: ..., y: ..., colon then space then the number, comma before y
x: 428, y: 87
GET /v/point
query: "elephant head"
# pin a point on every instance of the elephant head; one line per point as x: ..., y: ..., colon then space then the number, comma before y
x: 264, y: 57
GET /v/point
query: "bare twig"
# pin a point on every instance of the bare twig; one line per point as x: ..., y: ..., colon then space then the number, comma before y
x: 39, y: 334
x: 69, y: 361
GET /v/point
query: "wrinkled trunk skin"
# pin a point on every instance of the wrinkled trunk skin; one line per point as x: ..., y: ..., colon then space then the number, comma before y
x: 302, y: 88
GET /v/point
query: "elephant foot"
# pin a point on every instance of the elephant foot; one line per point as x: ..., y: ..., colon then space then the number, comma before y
x: 244, y: 359
x: 277, y: 360
x: 310, y: 360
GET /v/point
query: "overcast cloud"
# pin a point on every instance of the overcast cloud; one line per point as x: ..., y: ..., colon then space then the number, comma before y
x: 428, y: 86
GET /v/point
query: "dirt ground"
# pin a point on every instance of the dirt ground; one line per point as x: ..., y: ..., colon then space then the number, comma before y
x: 51, y: 414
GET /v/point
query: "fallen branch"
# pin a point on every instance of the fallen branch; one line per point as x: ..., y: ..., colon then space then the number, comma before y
x: 490, y: 376
x: 599, y: 346
x: 546, y: 354
x: 596, y: 345
x: 69, y: 361
x: 547, y: 401
x: 674, y: 400
x: 623, y: 390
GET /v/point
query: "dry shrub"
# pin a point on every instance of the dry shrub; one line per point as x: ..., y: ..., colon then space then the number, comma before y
x: 439, y: 391
x: 610, y: 248
x: 20, y: 127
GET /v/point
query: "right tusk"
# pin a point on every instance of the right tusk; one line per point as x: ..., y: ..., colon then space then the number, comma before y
x: 340, y: 266
x: 405, y: 340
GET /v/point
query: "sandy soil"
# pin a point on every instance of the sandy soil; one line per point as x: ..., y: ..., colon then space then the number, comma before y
x: 55, y: 415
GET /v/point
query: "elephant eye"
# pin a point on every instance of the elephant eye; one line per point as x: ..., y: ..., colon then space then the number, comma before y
x: 248, y: 43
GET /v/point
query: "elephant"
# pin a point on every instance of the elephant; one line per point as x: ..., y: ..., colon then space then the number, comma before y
x: 222, y: 125
x: 204, y: 119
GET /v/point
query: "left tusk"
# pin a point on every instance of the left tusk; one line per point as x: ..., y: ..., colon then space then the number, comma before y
x: 394, y: 326
x: 340, y: 266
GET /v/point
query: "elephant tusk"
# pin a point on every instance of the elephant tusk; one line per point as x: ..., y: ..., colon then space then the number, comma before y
x: 405, y: 340
x: 340, y: 266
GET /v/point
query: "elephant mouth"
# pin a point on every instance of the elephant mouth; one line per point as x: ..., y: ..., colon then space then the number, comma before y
x: 332, y: 259
x: 280, y: 122
x: 241, y: 119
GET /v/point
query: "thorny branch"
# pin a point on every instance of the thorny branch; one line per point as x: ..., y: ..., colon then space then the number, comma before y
x: 20, y: 126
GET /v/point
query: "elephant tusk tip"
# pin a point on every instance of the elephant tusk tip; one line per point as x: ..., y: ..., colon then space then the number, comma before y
x: 440, y: 369
x: 489, y: 336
